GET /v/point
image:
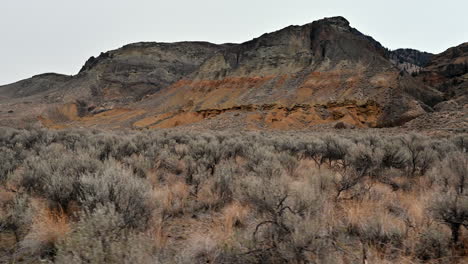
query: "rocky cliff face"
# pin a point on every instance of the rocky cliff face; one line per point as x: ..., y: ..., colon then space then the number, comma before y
x: 321, y: 73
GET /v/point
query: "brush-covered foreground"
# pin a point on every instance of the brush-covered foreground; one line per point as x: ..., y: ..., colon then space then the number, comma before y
x: 191, y: 197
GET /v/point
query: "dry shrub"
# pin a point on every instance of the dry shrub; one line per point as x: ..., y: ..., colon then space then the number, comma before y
x: 8, y: 162
x: 289, y: 163
x: 55, y: 173
x: 375, y: 225
x: 16, y: 215
x: 450, y: 204
x: 260, y: 197
x: 364, y: 159
x: 117, y: 185
x: 101, y: 237
x: 452, y: 210
x: 348, y: 181
x: 433, y: 243
x: 208, y: 197
x: 140, y: 165
x: 291, y: 222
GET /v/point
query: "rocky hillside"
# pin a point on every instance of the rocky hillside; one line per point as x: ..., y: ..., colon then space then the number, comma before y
x: 410, y: 60
x: 448, y: 72
x: 325, y: 73
x: 114, y: 78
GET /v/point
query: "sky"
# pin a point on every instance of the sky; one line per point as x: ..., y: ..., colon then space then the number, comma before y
x: 60, y: 35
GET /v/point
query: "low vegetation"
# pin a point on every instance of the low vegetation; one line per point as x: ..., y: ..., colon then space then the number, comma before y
x: 172, y: 196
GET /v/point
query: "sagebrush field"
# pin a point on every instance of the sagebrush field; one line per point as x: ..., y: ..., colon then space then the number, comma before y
x: 171, y: 196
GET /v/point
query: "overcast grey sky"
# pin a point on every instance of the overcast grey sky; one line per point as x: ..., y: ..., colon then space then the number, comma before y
x: 40, y: 36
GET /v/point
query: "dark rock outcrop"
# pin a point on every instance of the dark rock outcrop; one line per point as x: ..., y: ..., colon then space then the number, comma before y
x: 412, y: 56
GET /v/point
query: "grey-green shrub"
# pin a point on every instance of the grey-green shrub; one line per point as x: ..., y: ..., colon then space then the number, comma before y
x: 100, y: 237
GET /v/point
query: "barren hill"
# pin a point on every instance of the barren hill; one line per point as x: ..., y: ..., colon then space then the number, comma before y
x: 319, y: 74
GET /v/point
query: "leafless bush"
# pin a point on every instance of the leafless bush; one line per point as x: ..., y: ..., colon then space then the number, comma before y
x: 421, y: 156
x: 314, y: 150
x: 347, y: 181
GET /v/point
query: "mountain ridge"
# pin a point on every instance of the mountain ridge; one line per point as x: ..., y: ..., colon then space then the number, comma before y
x: 320, y: 65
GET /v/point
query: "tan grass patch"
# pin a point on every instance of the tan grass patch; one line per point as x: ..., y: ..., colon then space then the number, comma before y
x: 173, y: 197
x: 234, y: 215
x: 48, y: 226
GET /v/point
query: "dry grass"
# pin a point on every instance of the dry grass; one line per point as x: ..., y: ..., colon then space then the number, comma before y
x: 234, y: 216
x: 48, y: 227
x: 173, y: 196
x: 159, y: 234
